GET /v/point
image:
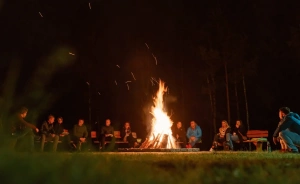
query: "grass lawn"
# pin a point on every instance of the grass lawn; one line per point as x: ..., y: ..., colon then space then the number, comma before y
x: 136, y: 168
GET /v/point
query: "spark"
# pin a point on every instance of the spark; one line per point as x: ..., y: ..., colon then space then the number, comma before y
x: 41, y: 14
x: 116, y: 82
x: 154, y: 80
x: 99, y: 93
x: 133, y: 76
x: 147, y: 45
x: 127, y: 81
x: 127, y: 86
x: 87, y: 83
x: 155, y: 59
x: 118, y: 66
x: 151, y: 82
x: 71, y: 53
x: 90, y: 6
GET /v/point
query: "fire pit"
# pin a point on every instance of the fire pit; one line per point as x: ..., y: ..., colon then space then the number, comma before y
x: 160, y: 139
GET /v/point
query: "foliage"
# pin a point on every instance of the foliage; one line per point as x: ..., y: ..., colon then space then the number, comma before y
x: 236, y: 167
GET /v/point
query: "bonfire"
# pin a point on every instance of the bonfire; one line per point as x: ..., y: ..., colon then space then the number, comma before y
x: 161, y: 133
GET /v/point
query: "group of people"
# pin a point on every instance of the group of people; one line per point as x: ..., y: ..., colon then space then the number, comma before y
x: 227, y: 135
x: 48, y: 132
x: 55, y: 132
x: 287, y: 132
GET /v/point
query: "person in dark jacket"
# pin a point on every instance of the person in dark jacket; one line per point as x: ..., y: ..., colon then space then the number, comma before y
x: 289, y: 129
x: 127, y: 136
x: 80, y: 134
x: 179, y: 133
x: 64, y: 136
x: 238, y: 132
x: 107, y: 134
x: 21, y: 128
x: 48, y: 133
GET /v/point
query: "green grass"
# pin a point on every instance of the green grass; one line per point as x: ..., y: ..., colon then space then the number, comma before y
x: 135, y: 168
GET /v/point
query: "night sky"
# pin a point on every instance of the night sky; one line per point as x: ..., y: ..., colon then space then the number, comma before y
x: 51, y: 49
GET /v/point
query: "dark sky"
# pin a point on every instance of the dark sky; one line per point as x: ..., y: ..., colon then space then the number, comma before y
x: 38, y: 39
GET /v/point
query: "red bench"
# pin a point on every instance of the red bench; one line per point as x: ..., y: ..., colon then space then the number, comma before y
x: 257, y: 137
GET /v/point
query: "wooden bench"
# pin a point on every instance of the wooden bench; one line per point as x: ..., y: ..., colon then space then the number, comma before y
x: 117, y: 135
x: 257, y: 137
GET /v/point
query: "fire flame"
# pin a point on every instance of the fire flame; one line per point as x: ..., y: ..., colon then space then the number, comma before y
x: 161, y: 122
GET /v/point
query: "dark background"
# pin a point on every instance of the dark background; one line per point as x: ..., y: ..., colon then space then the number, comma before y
x: 38, y: 71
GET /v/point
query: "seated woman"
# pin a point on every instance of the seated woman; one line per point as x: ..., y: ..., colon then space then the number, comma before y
x: 238, y: 132
x: 222, y: 137
x: 126, y: 136
x: 179, y: 133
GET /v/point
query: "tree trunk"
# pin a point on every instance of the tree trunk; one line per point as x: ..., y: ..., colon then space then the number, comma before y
x: 236, y: 98
x: 214, y: 103
x: 246, y: 103
x: 227, y: 92
x: 211, y: 102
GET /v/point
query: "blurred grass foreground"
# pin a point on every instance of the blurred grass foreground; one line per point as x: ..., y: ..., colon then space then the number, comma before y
x: 199, y: 167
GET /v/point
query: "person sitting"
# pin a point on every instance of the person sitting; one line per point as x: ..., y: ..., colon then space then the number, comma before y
x: 239, y: 133
x: 289, y: 129
x: 20, y: 128
x: 48, y: 133
x: 179, y: 133
x: 126, y: 135
x: 107, y: 134
x: 63, y: 135
x: 194, y: 133
x: 222, y: 137
x: 80, y: 134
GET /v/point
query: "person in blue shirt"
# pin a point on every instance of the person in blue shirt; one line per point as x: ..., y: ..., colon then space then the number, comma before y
x: 194, y: 133
x: 289, y: 129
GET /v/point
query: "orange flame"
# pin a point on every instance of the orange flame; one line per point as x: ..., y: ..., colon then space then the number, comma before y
x: 161, y: 122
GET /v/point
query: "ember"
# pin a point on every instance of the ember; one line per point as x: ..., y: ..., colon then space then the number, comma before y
x: 161, y: 134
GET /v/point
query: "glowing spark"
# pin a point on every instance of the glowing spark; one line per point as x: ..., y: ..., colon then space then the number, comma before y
x: 41, y: 14
x: 147, y: 45
x: 127, y: 86
x: 71, y: 53
x: 116, y: 82
x: 155, y: 59
x: 90, y: 6
x: 99, y: 93
x: 154, y: 80
x: 133, y: 76
x: 118, y: 66
x: 127, y: 81
x: 87, y: 83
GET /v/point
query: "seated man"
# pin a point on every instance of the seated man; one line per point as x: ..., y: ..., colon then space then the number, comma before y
x: 20, y: 128
x: 222, y: 137
x: 126, y: 135
x: 80, y: 134
x: 107, y: 134
x: 289, y: 129
x: 48, y: 133
x: 179, y: 133
x: 194, y: 133
x: 63, y: 136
